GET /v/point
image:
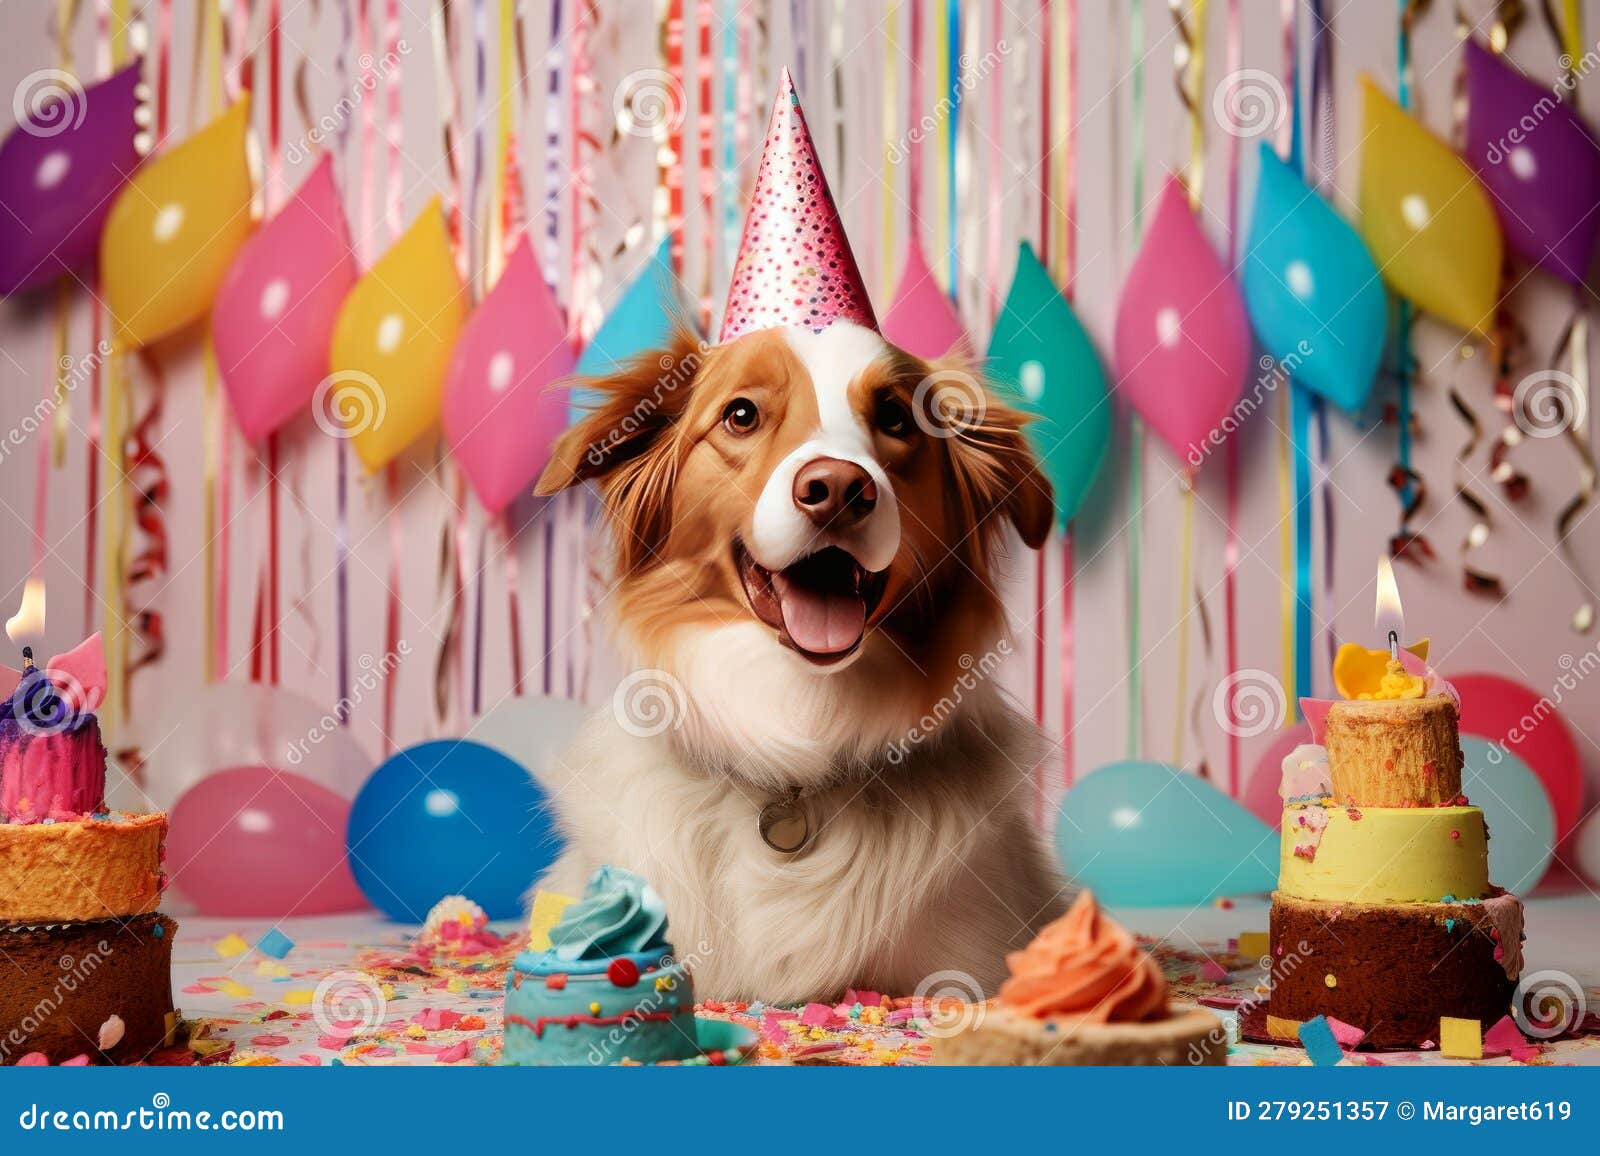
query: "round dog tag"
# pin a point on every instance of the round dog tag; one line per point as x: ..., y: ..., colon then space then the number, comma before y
x: 784, y: 826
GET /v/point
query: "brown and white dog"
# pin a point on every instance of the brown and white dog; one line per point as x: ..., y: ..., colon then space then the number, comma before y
x: 806, y: 559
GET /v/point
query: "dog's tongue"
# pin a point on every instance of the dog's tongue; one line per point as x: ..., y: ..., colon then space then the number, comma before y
x: 818, y: 620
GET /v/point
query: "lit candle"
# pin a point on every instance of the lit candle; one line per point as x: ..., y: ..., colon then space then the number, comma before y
x: 1360, y: 673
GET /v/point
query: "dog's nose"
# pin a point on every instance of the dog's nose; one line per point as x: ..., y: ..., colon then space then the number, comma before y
x: 833, y: 492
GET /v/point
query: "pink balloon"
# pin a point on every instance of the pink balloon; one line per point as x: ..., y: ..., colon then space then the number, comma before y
x: 1507, y: 712
x: 253, y: 842
x: 922, y: 320
x: 274, y: 314
x: 500, y: 415
x: 1182, y: 335
x: 1261, y: 794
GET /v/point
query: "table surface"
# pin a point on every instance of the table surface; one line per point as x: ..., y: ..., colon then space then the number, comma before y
x: 394, y: 1004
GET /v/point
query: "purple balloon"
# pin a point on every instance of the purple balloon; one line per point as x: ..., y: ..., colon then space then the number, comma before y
x: 1540, y: 162
x: 60, y: 170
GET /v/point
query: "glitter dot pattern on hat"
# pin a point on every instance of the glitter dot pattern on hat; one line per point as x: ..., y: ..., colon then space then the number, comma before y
x: 794, y: 265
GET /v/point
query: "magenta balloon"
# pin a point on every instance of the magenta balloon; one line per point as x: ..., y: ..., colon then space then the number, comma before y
x: 252, y: 842
x: 275, y: 310
x: 60, y: 170
x: 922, y: 320
x: 1182, y: 336
x: 1540, y: 161
x: 501, y: 415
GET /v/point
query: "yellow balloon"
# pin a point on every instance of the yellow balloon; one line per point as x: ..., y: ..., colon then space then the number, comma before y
x: 174, y: 229
x: 392, y: 343
x: 1427, y: 218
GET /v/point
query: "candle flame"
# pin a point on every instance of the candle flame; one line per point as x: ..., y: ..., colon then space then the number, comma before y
x: 1388, y: 615
x: 28, y: 622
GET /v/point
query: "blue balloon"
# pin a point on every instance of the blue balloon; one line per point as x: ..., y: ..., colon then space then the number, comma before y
x: 1517, y: 808
x: 643, y: 319
x: 1313, y: 291
x: 450, y: 818
x: 1147, y: 835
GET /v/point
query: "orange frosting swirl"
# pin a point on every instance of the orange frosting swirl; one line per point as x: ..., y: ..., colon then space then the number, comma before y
x: 1088, y: 966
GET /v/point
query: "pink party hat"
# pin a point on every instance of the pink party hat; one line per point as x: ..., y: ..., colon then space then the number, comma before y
x: 794, y: 265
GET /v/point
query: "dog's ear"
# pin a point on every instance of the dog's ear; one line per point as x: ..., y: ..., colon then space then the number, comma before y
x: 624, y: 444
x: 993, y: 469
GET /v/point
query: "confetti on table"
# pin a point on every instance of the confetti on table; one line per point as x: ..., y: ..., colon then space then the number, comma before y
x: 1460, y: 1039
x: 1256, y: 944
x: 275, y: 943
x: 231, y: 945
x: 1317, y: 1039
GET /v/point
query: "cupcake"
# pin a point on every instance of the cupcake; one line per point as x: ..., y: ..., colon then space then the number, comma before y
x: 608, y: 990
x: 1084, y: 992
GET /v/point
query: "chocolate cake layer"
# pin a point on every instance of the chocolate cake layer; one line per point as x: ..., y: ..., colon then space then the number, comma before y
x: 1394, y: 970
x: 61, y: 986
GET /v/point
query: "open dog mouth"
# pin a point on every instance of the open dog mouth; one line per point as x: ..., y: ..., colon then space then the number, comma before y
x: 819, y: 605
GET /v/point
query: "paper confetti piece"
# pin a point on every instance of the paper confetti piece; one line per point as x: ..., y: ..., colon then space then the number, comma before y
x: 235, y: 990
x: 231, y: 945
x: 1255, y: 943
x: 272, y: 969
x: 1317, y: 1038
x: 301, y: 998
x: 1460, y: 1039
x: 275, y: 943
x: 1283, y: 1029
x: 546, y: 913
x: 1348, y: 1035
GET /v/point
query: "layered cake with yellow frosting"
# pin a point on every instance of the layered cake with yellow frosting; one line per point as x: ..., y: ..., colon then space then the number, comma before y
x: 87, y: 959
x: 1385, y: 917
x: 1083, y: 993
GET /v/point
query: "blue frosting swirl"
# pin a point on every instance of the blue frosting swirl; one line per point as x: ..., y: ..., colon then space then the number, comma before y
x: 619, y: 914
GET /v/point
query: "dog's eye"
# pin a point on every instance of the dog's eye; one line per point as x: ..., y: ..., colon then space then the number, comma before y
x: 740, y: 416
x: 893, y: 418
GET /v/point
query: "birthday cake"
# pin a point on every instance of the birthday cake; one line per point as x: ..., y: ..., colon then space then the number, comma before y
x: 1083, y: 993
x: 1384, y: 917
x: 608, y: 990
x: 87, y: 960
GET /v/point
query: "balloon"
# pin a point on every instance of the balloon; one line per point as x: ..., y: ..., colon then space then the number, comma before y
x: 1262, y: 795
x: 531, y: 729
x: 1426, y: 218
x: 241, y: 724
x: 1041, y: 356
x: 174, y: 230
x: 450, y: 818
x: 59, y: 171
x: 501, y: 415
x: 1586, y: 848
x: 1528, y: 725
x: 274, y: 313
x: 1147, y: 835
x: 642, y: 320
x: 1313, y: 292
x: 1182, y: 335
x: 922, y: 319
x: 255, y: 842
x: 1522, y: 823
x: 1540, y: 161
x: 392, y: 342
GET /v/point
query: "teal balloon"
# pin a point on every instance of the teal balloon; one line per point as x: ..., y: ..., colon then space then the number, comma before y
x: 1142, y: 834
x: 1517, y: 808
x: 1312, y: 290
x: 1041, y: 358
x: 642, y: 320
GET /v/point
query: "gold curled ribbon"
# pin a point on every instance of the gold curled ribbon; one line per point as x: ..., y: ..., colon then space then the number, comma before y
x: 1476, y: 579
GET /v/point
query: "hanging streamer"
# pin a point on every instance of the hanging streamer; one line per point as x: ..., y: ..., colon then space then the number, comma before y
x: 1135, y: 453
x: 1231, y: 455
